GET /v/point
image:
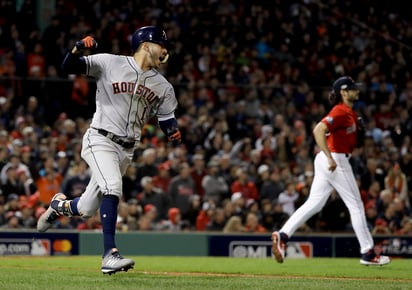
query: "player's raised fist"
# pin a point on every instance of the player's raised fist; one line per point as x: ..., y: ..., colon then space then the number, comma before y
x: 87, y: 42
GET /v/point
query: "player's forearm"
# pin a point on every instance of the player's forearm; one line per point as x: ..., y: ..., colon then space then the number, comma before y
x: 319, y: 133
x: 73, y: 63
x: 171, y: 130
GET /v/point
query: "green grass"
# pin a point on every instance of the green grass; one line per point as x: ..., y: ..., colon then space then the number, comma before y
x: 83, y: 272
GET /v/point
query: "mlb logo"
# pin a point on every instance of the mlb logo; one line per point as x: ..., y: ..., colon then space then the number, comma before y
x: 329, y: 120
x: 299, y: 250
x: 40, y: 247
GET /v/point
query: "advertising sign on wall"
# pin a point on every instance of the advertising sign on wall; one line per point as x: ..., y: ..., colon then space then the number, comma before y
x: 33, y: 244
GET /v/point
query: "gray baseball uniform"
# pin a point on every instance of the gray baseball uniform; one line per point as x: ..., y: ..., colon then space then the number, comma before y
x: 126, y: 98
x: 129, y: 92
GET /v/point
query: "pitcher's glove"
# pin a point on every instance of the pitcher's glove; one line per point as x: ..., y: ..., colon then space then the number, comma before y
x: 87, y: 42
x: 360, y: 133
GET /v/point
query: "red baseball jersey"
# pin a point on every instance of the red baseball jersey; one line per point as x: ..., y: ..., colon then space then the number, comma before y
x: 342, y: 124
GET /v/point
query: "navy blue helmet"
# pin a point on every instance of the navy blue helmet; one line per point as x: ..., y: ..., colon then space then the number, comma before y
x: 149, y: 34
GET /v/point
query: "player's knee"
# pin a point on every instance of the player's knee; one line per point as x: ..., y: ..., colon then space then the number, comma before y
x: 115, y: 189
x: 87, y: 214
x: 87, y: 211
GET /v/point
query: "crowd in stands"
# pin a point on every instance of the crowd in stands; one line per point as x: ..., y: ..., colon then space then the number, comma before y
x: 252, y: 79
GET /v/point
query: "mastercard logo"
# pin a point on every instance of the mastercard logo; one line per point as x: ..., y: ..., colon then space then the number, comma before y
x: 62, y: 246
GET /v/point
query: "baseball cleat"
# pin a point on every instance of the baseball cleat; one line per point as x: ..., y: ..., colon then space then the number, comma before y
x: 47, y: 219
x: 371, y: 259
x: 114, y: 262
x: 278, y: 247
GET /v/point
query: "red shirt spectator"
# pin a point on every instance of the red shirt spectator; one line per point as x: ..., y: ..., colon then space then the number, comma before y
x: 36, y: 62
x: 246, y: 187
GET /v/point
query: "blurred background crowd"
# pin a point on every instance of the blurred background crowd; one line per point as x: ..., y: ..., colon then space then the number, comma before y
x: 252, y: 78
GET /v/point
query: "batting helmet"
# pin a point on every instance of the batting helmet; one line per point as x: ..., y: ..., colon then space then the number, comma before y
x: 149, y: 34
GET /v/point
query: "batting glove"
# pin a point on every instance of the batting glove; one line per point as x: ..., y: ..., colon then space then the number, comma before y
x: 175, y: 137
x: 87, y: 42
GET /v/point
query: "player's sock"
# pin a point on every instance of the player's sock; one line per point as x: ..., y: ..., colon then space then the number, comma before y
x: 73, y: 206
x: 108, y: 217
x: 284, y: 237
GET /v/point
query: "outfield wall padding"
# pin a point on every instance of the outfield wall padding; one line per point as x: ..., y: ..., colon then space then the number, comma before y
x: 62, y: 242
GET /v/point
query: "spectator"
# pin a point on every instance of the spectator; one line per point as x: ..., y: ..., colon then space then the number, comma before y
x: 12, y: 183
x: 14, y: 161
x: 396, y: 181
x: 194, y: 211
x: 214, y: 186
x: 288, y: 197
x: 205, y: 216
x: 64, y: 223
x: 385, y: 199
x: 198, y: 172
x: 91, y: 223
x: 218, y: 221
x: 3, y: 211
x: 244, y: 185
x: 234, y: 225
x: 26, y: 213
x: 36, y: 63
x: 239, y: 204
x: 266, y: 134
x: 154, y: 196
x: 334, y: 215
x: 271, y: 187
x: 122, y: 222
x: 263, y: 174
x: 147, y: 166
x: 374, y: 173
x: 389, y: 216
x: 163, y: 178
x: 252, y: 224
x: 279, y: 217
x: 134, y: 211
x: 29, y: 186
x: 13, y: 221
x: 406, y: 228
x: 381, y: 227
x: 48, y: 185
x: 181, y: 188
x: 75, y: 184
x: 173, y: 223
x: 149, y: 212
x: 145, y: 224
x: 371, y: 213
x: 129, y: 183
x: 228, y: 207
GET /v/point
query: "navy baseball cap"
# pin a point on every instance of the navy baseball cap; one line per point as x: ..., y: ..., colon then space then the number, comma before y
x: 345, y: 83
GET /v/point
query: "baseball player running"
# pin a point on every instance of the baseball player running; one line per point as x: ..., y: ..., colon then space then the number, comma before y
x: 129, y: 92
x: 336, y: 136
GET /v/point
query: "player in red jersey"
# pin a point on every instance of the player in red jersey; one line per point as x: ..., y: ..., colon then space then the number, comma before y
x: 336, y: 137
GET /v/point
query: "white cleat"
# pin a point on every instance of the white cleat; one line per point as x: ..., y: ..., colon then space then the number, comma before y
x: 114, y: 262
x: 376, y: 261
x: 278, y: 247
x: 47, y: 219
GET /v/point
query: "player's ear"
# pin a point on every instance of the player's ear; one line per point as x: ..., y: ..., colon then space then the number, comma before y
x: 146, y: 46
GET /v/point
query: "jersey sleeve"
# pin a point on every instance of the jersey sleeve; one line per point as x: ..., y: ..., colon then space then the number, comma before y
x: 95, y: 64
x: 333, y: 119
x: 168, y: 104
